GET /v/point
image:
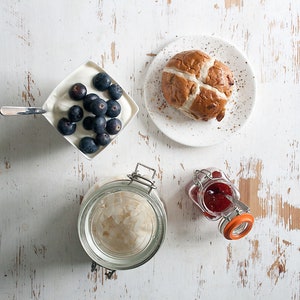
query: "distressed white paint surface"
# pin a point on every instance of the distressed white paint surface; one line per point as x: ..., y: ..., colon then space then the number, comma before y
x: 43, y: 179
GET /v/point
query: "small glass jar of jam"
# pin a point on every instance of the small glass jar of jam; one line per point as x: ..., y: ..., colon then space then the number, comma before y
x: 216, y: 196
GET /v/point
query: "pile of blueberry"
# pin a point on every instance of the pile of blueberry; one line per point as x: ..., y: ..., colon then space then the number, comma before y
x: 102, y: 118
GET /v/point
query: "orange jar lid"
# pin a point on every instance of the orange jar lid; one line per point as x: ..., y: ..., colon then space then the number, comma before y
x: 238, y: 227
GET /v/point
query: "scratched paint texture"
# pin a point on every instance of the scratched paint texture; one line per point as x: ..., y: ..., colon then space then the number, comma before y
x: 43, y: 179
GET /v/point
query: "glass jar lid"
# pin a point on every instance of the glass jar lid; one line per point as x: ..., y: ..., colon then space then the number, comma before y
x: 236, y: 225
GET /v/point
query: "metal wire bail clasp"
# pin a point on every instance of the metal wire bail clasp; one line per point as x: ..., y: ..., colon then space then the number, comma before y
x: 136, y: 176
x: 198, y: 176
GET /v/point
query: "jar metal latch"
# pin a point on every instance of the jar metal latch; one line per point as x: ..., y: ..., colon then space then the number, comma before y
x: 197, y: 173
x: 137, y: 177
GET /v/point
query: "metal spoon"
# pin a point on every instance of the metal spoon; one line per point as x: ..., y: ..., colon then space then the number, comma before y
x: 18, y: 110
x: 240, y: 204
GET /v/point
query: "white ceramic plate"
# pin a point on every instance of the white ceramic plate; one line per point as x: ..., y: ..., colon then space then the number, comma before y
x: 59, y: 102
x: 180, y: 128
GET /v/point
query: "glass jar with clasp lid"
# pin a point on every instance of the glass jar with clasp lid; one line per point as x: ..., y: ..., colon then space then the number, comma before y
x: 216, y: 196
x: 122, y: 222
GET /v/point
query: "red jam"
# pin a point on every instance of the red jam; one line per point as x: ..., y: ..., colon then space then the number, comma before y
x: 215, y: 197
x: 216, y: 174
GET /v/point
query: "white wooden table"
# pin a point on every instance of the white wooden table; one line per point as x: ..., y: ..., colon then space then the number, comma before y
x: 43, y: 178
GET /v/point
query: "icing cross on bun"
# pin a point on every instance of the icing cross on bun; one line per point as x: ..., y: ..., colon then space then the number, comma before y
x: 197, y: 85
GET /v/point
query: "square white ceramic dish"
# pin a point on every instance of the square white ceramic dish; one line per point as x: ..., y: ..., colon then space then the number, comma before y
x: 59, y: 102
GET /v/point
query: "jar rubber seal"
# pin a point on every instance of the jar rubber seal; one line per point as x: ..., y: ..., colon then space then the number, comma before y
x: 238, y: 227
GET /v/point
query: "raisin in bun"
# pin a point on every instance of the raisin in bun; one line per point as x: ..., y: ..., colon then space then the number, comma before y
x: 197, y: 85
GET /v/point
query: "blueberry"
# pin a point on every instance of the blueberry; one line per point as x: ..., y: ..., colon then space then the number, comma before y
x: 99, y: 107
x: 115, y: 91
x: 88, y: 145
x: 102, y: 139
x: 101, y: 81
x: 88, y: 123
x: 75, y: 113
x: 99, y: 124
x: 113, y: 108
x: 88, y: 100
x: 66, y: 127
x: 77, y: 91
x: 113, y: 126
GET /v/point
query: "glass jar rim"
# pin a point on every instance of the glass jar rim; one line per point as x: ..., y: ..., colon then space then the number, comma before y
x: 237, y: 226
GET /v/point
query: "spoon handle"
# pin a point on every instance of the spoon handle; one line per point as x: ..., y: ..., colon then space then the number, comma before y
x: 17, y: 110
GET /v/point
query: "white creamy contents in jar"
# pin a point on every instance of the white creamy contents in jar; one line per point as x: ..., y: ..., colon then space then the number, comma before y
x: 123, y: 223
